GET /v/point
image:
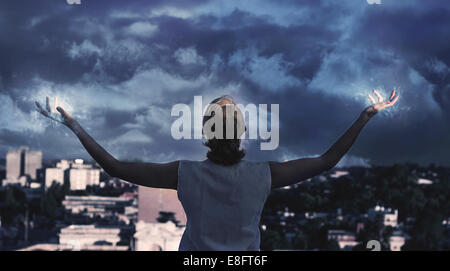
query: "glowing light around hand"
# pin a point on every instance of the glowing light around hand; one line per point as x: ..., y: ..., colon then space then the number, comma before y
x: 50, y: 110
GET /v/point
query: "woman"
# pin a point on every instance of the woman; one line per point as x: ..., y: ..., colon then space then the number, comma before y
x: 222, y: 196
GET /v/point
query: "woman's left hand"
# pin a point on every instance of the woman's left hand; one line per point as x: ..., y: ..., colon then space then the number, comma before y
x: 63, y: 116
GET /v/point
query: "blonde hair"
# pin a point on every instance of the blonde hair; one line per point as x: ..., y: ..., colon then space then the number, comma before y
x: 225, y: 150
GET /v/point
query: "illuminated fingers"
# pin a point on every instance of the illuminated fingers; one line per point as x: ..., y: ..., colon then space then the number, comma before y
x: 393, y: 101
x: 47, y: 104
x: 381, y: 104
x: 392, y: 95
x: 380, y: 98
x: 61, y: 110
x: 66, y: 115
x: 47, y: 113
x: 41, y: 110
x: 39, y: 107
x: 372, y: 99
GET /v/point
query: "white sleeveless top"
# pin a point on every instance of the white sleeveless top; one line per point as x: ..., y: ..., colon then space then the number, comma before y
x: 223, y: 204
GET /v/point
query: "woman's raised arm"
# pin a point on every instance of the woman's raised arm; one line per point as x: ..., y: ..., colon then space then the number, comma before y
x: 294, y: 171
x: 164, y: 175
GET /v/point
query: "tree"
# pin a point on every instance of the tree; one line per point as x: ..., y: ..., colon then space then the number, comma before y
x: 49, y: 205
x: 15, y: 204
x: 167, y: 216
x: 52, y: 199
x: 427, y: 233
x: 333, y: 245
x: 271, y: 240
x: 300, y: 241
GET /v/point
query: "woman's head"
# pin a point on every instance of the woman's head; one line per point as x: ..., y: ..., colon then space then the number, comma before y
x: 224, y: 144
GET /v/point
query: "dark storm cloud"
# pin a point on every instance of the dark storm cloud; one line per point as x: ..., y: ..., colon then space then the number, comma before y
x: 418, y: 35
x: 36, y: 35
x: 421, y: 38
x: 122, y: 65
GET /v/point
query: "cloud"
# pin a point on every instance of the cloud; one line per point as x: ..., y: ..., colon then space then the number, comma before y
x: 171, y: 12
x: 188, y: 56
x: 353, y: 161
x: 120, y: 67
x: 142, y: 29
x: 132, y: 136
x: 85, y: 49
x: 271, y: 72
x: 14, y: 119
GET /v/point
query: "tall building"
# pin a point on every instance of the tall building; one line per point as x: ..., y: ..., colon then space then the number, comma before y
x: 54, y: 175
x: 80, y: 178
x: 33, y: 162
x: 152, y: 201
x: 79, y: 175
x: 22, y: 164
x: 14, y: 167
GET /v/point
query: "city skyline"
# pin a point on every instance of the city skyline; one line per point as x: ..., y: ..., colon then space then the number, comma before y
x: 114, y: 215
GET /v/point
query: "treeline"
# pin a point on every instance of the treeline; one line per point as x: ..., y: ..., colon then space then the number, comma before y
x: 363, y: 188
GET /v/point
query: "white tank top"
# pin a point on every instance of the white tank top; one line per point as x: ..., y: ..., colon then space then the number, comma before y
x: 223, y: 204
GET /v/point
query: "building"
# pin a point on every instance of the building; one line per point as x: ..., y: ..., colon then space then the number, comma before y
x: 33, y: 162
x: 152, y: 201
x: 157, y: 236
x: 339, y: 173
x: 80, y: 178
x: 78, y: 174
x: 69, y: 247
x: 315, y: 215
x: 424, y: 181
x: 396, y: 241
x: 345, y: 239
x: 79, y: 236
x: 54, y: 175
x: 81, y: 175
x: 388, y: 216
x: 14, y: 165
x: 446, y: 222
x: 22, y: 164
x: 22, y: 181
x: 97, y: 206
x: 35, y: 185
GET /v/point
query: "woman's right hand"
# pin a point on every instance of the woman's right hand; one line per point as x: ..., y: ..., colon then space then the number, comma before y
x: 64, y: 117
x: 380, y: 104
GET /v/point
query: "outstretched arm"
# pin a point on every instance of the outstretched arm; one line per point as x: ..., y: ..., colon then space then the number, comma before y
x: 146, y: 174
x: 294, y: 171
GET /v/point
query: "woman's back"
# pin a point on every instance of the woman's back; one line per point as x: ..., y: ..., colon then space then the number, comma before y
x: 223, y: 204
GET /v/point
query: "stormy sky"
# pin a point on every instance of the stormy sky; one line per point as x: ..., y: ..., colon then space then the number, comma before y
x: 120, y: 66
